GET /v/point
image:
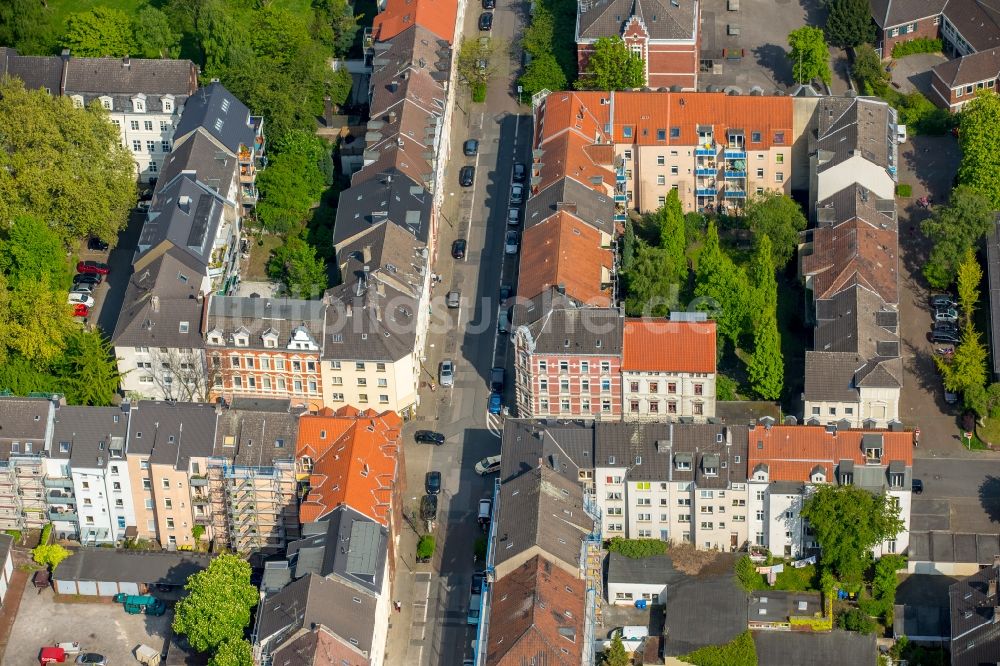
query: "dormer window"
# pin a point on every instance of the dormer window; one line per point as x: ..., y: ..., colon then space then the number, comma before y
x: 168, y: 104
x: 270, y: 342
x: 106, y: 103
x: 873, y: 447
x: 818, y: 474
x: 139, y: 104
x: 710, y: 464
x: 682, y: 461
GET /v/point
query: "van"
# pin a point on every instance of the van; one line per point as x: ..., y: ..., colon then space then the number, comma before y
x: 475, y: 606
x: 901, y: 133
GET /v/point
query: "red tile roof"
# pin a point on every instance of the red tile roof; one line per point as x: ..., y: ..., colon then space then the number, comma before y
x: 354, y: 461
x: 565, y: 251
x: 791, y: 452
x: 438, y: 16
x: 657, y: 345
x: 854, y: 252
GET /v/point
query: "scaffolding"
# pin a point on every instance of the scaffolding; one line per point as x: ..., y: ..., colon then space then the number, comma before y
x: 592, y: 558
x: 22, y: 493
x: 251, y: 508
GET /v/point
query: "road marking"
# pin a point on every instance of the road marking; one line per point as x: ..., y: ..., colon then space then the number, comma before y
x: 494, y: 423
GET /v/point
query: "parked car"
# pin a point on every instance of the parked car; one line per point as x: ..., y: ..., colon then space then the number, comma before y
x: 945, y: 326
x: 470, y: 148
x: 489, y: 4
x: 477, y: 583
x: 485, y: 511
x: 454, y: 299
x: 917, y: 487
x: 505, y: 292
x: 88, y: 278
x: 81, y: 310
x: 76, y: 298
x: 428, y: 437
x: 488, y: 465
x: 503, y: 321
x: 510, y: 242
x: 446, y: 374
x: 432, y: 483
x: 513, y: 216
x: 486, y: 21
x: 92, y: 658
x: 943, y: 301
x: 475, y: 606
x: 87, y: 289
x: 96, y: 244
x: 949, y: 336
x: 458, y: 248
x: 497, y: 376
x: 429, y: 507
x: 92, y: 267
x: 467, y: 176
x: 520, y: 172
x: 495, y: 404
x: 949, y: 315
x: 517, y: 194
x: 949, y: 397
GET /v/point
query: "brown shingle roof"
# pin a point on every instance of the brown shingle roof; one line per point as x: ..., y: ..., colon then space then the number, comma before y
x: 853, y: 253
x: 970, y: 69
x: 564, y: 251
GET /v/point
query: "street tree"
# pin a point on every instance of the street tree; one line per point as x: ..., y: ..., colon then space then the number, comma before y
x: 542, y: 73
x: 154, y: 36
x: 670, y: 218
x: 965, y: 371
x: 970, y: 275
x: 778, y: 216
x: 217, y: 606
x: 849, y: 522
x: 849, y: 23
x: 953, y: 229
x: 613, y: 66
x: 809, y: 55
x: 234, y: 652
x: 475, y: 61
x: 980, y: 163
x: 766, y: 367
x: 101, y: 31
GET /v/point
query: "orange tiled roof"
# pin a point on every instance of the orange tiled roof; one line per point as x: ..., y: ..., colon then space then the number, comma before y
x: 571, y: 154
x: 438, y: 16
x: 354, y: 456
x: 791, y: 452
x: 657, y: 345
x: 563, y: 250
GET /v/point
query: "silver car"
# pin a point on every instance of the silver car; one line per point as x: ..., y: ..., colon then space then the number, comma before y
x: 446, y: 374
x: 513, y: 216
x: 454, y: 299
x: 517, y: 194
x: 510, y: 242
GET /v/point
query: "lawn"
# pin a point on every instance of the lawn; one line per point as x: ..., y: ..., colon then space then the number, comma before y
x: 791, y: 579
x: 259, y: 254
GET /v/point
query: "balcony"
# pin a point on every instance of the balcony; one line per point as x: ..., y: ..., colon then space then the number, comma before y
x: 64, y: 483
x: 706, y: 171
x: 619, y: 217
x: 199, y: 500
x: 735, y: 154
x: 735, y: 194
x: 706, y: 192
x: 197, y: 481
x: 59, y: 497
x: 248, y: 173
x: 736, y: 174
x: 621, y: 198
x: 249, y: 195
x: 702, y: 151
x: 67, y: 516
x: 245, y: 155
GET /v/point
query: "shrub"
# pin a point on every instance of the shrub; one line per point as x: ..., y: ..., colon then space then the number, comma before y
x: 637, y: 548
x: 746, y: 574
x: 478, y: 92
x: 738, y: 652
x: 425, y: 547
x: 918, y: 45
x: 14, y: 534
x: 904, y: 190
x: 49, y: 555
x: 46, y: 535
x: 479, y: 548
x: 856, y: 619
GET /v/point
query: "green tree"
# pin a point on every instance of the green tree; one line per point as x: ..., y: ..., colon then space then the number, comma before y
x: 855, y: 619
x: 475, y: 61
x: 63, y: 165
x: 616, y: 655
x: 721, y: 288
x: 295, y: 263
x: 542, y: 73
x: 37, y: 320
x: 649, y: 284
x: 809, y: 56
x: 31, y: 250
x: 88, y: 369
x: 154, y: 35
x: 25, y: 26
x: 849, y: 23
x: 233, y: 652
x: 613, y: 66
x: 780, y: 218
x: 849, y: 522
x: 335, y: 25
x: 293, y: 181
x: 980, y: 163
x: 747, y: 576
x: 970, y: 275
x: 101, y: 31
x: 537, y: 39
x: 868, y: 71
x: 965, y: 371
x: 740, y: 651
x: 766, y: 367
x: 763, y: 285
x: 218, y: 604
x: 671, y: 221
x: 954, y: 229
x: 49, y: 555
x: 340, y: 86
x: 884, y: 585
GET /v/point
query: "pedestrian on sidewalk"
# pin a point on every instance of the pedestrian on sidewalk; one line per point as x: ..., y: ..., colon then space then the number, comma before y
x: 398, y: 606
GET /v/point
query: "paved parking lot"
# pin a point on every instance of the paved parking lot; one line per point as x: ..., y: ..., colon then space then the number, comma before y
x: 914, y: 72
x: 104, y: 628
x: 959, y: 496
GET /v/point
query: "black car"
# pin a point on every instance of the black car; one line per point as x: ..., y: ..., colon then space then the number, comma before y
x: 942, y: 301
x: 950, y: 337
x: 497, y: 379
x: 432, y: 483
x: 489, y: 4
x: 486, y: 21
x: 477, y: 583
x: 429, y: 507
x: 458, y: 248
x: 96, y: 244
x: 428, y: 437
x: 918, y: 486
x: 470, y: 148
x: 467, y: 176
x: 520, y: 172
x: 945, y: 326
x: 88, y: 278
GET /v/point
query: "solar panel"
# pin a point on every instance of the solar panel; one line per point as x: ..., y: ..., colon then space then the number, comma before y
x: 199, y: 226
x: 363, y: 554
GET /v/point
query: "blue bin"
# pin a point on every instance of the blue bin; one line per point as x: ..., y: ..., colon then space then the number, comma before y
x: 640, y: 604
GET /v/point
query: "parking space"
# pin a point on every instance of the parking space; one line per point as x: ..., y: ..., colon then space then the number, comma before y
x: 104, y: 628
x: 957, y: 496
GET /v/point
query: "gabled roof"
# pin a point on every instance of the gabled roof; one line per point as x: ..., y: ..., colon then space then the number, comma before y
x: 969, y: 69
x: 294, y: 324
x: 410, y: 78
x: 215, y: 110
x: 978, y: 21
x: 188, y: 214
x: 172, y: 433
x: 370, y: 318
x: 975, y: 613
x: 354, y: 456
x: 318, y: 647
x: 415, y: 49
x: 131, y: 566
x: 565, y: 446
x: 437, y: 16
x: 571, y: 154
x: 95, y: 435
x: 212, y: 166
x: 889, y: 13
x: 24, y: 420
x: 568, y: 194
x: 392, y: 196
x: 657, y: 345
x: 576, y: 331
x: 837, y: 376
x: 850, y: 254
x: 857, y: 320
x: 854, y: 126
x: 346, y: 545
x: 564, y: 252
x: 36, y: 72
x: 386, y: 248
x: 663, y: 20
x: 129, y: 76
x: 536, y: 617
x: 779, y: 648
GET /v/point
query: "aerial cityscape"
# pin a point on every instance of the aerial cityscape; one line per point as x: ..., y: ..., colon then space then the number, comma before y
x: 499, y: 333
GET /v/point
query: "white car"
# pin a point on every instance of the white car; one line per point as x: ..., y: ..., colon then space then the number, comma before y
x: 513, y: 216
x: 510, y: 242
x: 488, y: 465
x: 77, y: 298
x: 517, y: 193
x: 447, y: 373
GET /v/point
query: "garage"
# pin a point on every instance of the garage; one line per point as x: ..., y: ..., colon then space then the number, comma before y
x: 102, y: 572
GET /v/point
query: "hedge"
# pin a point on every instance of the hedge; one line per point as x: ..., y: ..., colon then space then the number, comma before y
x: 740, y: 651
x: 904, y: 190
x: 478, y: 92
x: 637, y: 548
x: 918, y: 45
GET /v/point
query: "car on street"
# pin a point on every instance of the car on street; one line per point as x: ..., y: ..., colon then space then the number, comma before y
x: 446, y: 374
x: 517, y: 194
x: 429, y: 507
x: 943, y: 301
x: 81, y: 310
x: 454, y: 299
x: 513, y: 216
x: 505, y: 292
x: 92, y: 658
x: 432, y: 483
x: 520, y: 172
x: 76, y: 298
x: 470, y: 148
x: 495, y: 404
x: 489, y: 4
x: 88, y: 278
x: 948, y: 336
x: 458, y: 248
x: 503, y: 321
x: 945, y: 326
x: 467, y: 176
x: 96, y: 244
x: 497, y: 376
x: 918, y: 486
x: 92, y: 267
x: 485, y: 511
x: 477, y: 583
x: 486, y: 21
x: 510, y: 242
x: 87, y: 289
x: 488, y: 465
x: 428, y: 437
x: 475, y: 605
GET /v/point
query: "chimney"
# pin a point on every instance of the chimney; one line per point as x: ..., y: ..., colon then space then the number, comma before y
x: 991, y: 589
x: 184, y: 203
x: 392, y: 116
x: 541, y: 462
x: 126, y: 63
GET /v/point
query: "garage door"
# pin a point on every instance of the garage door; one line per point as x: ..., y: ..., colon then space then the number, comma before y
x: 106, y: 589
x: 3, y: 589
x: 66, y: 586
x: 128, y: 588
x: 86, y: 587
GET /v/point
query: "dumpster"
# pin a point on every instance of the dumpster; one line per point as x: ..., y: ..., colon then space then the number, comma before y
x: 52, y: 655
x: 147, y: 655
x: 640, y: 604
x: 143, y: 603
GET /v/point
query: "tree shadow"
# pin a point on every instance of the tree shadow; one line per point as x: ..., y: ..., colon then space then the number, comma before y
x: 989, y: 497
x: 774, y: 59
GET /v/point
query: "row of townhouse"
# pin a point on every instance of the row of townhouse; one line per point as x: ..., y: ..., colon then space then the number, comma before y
x: 715, y: 486
x: 969, y: 30
x: 144, y: 98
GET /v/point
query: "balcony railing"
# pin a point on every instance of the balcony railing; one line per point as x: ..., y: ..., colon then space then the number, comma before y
x: 197, y: 481
x: 58, y: 497
x: 701, y: 151
x: 58, y: 483
x: 249, y: 195
x: 70, y: 516
x: 706, y: 192
x: 736, y: 174
x: 735, y: 153
x: 248, y: 174
x: 736, y: 194
x: 706, y: 171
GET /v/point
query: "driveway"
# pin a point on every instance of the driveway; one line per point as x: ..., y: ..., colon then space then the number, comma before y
x: 959, y: 496
x: 914, y: 73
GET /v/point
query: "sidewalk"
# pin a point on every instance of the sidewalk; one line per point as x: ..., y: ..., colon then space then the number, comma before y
x: 406, y: 638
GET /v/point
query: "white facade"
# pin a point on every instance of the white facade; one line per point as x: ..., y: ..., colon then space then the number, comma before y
x: 626, y: 594
x: 145, y: 377
x: 880, y: 405
x: 104, y: 501
x: 658, y: 396
x: 376, y: 384
x: 6, y: 573
x: 60, y: 497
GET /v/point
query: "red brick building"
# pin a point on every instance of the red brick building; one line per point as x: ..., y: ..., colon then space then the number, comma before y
x: 665, y: 33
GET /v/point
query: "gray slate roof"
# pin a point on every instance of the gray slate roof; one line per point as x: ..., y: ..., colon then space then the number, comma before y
x: 655, y: 570
x: 704, y: 610
x: 212, y: 166
x: 128, y: 76
x: 172, y: 433
x: 188, y: 214
x: 219, y: 113
x: 257, y: 434
x: 388, y: 249
x: 567, y: 447
x: 589, y: 205
x: 131, y: 566
x: 837, y: 376
x: 36, y: 71
x: 970, y: 69
x: 855, y: 125
x: 287, y: 318
x: 856, y: 201
x: 23, y: 420
x: 889, y: 13
x: 588, y: 332
x: 975, y: 618
x: 663, y: 20
x: 369, y: 320
x: 391, y: 196
x: 977, y: 20
x: 94, y: 435
x: 857, y: 320
x: 781, y: 648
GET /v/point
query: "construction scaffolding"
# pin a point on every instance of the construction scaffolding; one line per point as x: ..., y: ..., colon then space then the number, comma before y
x: 592, y: 557
x: 250, y: 508
x: 22, y: 493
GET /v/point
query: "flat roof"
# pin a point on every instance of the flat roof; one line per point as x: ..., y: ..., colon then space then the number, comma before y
x: 150, y: 568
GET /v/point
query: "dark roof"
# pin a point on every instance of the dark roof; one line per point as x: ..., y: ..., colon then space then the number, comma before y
x: 704, y: 610
x: 314, y: 600
x: 186, y: 213
x: 779, y: 605
x: 390, y: 195
x: 662, y: 20
x: 856, y: 201
x: 219, y: 113
x: 24, y: 419
x: 922, y: 621
x: 969, y: 69
x: 131, y: 566
x: 954, y: 547
x: 781, y: 648
x: 587, y: 204
x: 388, y: 250
x: 577, y: 332
x: 172, y: 433
x: 369, y: 320
x: 36, y: 71
x: 567, y: 447
x: 318, y: 647
x: 655, y: 570
x: 975, y: 618
x: 162, y: 292
x: 212, y: 166
x: 414, y: 50
x: 293, y: 324
x: 94, y: 435
x: 977, y: 21
x: 128, y: 76
x: 854, y: 125
x: 343, y: 544
x: 257, y: 434
x: 837, y: 376
x: 889, y: 13
x: 736, y: 412
x: 859, y: 321
x: 409, y: 71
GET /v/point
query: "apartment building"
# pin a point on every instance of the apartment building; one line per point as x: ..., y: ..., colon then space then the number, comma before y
x: 666, y: 35
x: 266, y: 348
x: 668, y: 370
x: 250, y: 499
x: 27, y: 432
x: 974, y: 615
x: 169, y: 443
x: 396, y: 16
x: 787, y: 462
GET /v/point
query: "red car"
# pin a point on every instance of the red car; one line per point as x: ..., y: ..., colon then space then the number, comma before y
x: 81, y: 310
x: 92, y: 267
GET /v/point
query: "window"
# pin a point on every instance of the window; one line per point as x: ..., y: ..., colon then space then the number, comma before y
x: 660, y: 200
x: 362, y: 381
x: 585, y: 385
x: 116, y: 486
x: 661, y: 134
x: 684, y: 518
x: 150, y: 146
x: 671, y: 387
x: 564, y: 386
x: 543, y: 366
x: 165, y: 145
x: 363, y: 398
x: 106, y: 103
x: 760, y: 173
x: 170, y: 523
x: 661, y: 160
x: 153, y: 167
x: 134, y: 125
x: 168, y: 503
x: 642, y: 485
x: 147, y: 125
x: 360, y: 367
x: 605, y: 367
x: 605, y: 385
x: 754, y: 137
x: 779, y: 158
x: 164, y: 126
x: 543, y: 404
x: 584, y: 366
x: 699, y: 389
x: 673, y: 170
x: 136, y: 146
x: 165, y: 482
x: 147, y: 484
x: 661, y: 179
x: 585, y: 405
x: 627, y: 133
x: 149, y: 504
x: 675, y: 132
x: 779, y: 137
x: 779, y: 177
x: 654, y: 406
x: 564, y: 405
x: 606, y: 405
x: 654, y: 387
